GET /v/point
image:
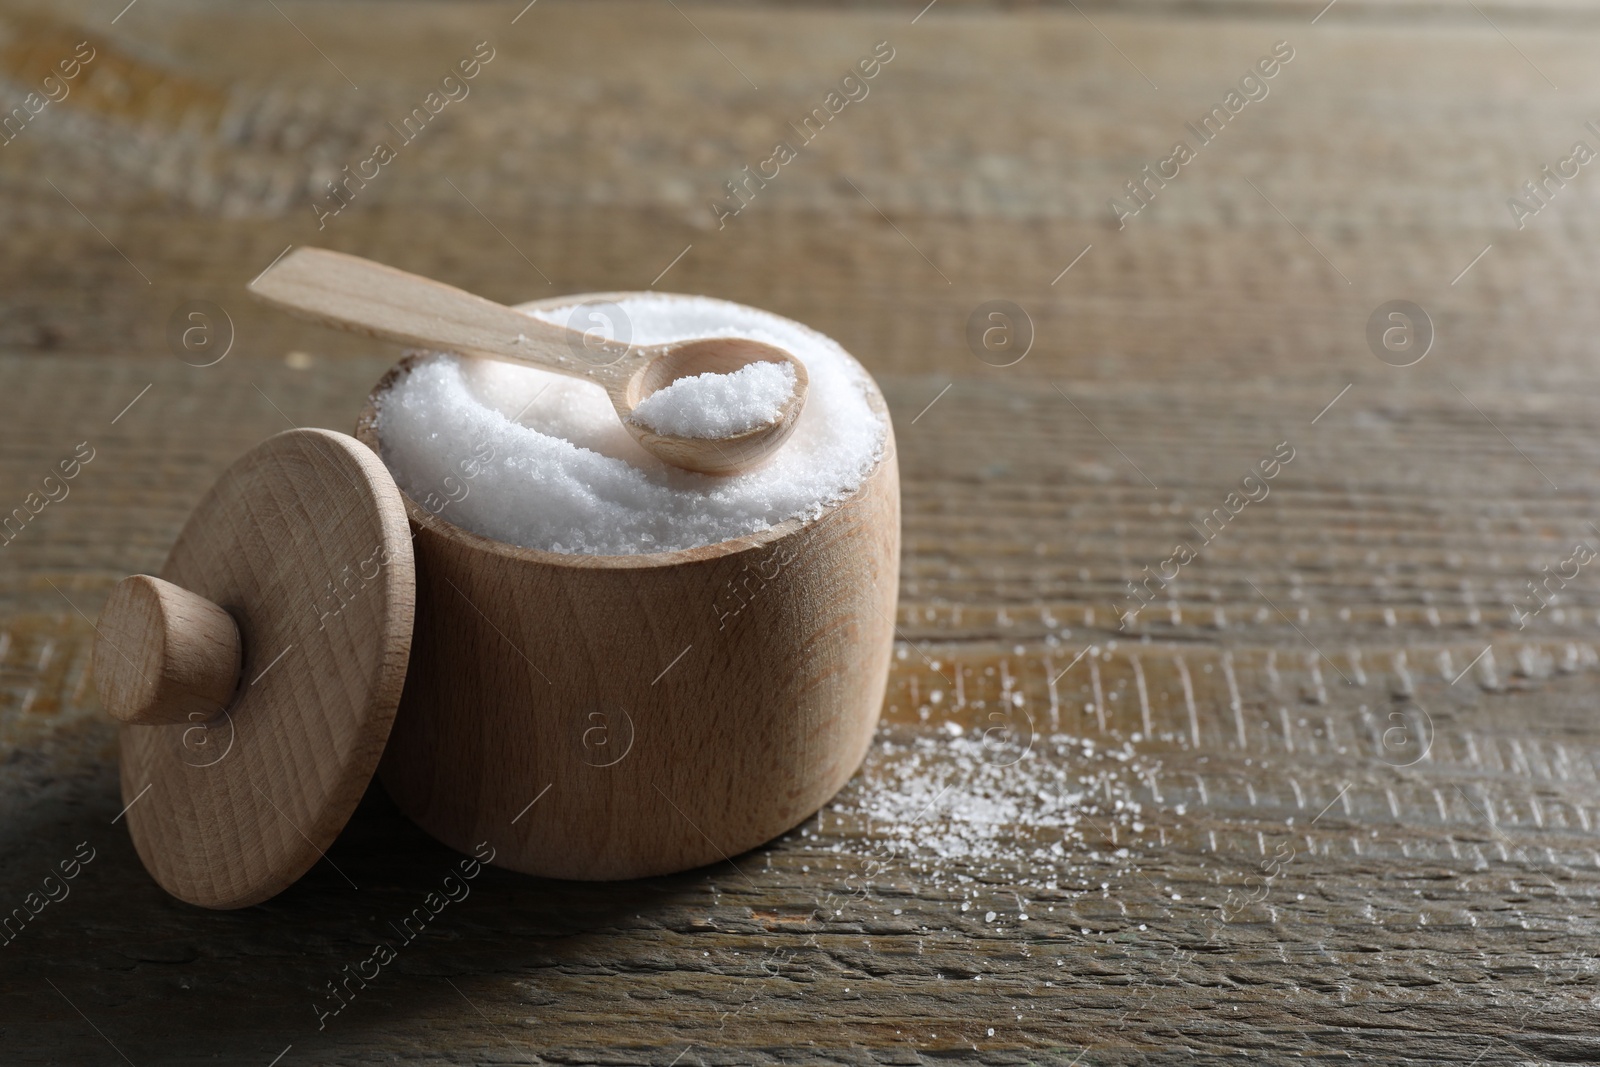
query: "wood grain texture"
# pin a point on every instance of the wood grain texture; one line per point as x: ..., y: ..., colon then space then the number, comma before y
x: 1436, y: 913
x: 303, y: 543
x: 665, y: 710
x: 1397, y: 945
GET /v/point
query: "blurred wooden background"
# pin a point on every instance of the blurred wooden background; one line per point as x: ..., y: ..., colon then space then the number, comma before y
x: 1325, y: 798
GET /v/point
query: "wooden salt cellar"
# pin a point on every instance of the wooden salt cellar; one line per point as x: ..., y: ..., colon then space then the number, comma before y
x: 592, y: 717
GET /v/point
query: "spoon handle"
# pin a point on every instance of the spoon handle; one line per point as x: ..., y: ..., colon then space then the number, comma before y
x: 369, y: 298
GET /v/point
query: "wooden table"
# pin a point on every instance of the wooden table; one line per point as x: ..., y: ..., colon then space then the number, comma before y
x: 1324, y: 797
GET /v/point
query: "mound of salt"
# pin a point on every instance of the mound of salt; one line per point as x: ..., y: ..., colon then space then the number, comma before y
x: 541, y: 460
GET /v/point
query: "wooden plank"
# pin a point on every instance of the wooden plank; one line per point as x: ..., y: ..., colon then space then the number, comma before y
x: 1212, y: 274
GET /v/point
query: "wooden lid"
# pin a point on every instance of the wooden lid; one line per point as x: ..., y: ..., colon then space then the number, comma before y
x: 245, y: 750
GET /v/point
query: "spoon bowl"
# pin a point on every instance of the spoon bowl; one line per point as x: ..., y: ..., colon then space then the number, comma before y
x: 712, y: 355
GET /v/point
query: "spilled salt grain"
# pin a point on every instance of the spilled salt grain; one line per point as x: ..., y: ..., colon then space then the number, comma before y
x: 541, y: 460
x: 952, y: 814
x: 719, y: 405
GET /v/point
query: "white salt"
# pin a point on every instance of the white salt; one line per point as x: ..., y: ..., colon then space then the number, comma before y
x: 718, y: 405
x: 542, y: 460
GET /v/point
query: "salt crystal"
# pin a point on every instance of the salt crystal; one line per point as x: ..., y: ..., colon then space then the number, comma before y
x: 718, y: 405
x: 565, y: 475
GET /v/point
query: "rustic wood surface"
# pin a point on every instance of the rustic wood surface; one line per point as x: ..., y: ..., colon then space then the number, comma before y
x: 1325, y: 798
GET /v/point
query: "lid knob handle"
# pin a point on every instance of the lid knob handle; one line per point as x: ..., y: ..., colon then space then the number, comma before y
x: 164, y: 655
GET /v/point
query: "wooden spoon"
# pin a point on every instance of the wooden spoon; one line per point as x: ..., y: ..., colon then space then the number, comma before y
x: 357, y: 294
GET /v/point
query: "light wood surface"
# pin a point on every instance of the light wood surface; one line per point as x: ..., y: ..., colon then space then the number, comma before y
x: 302, y: 543
x: 663, y: 710
x: 1438, y: 912
x: 351, y: 293
x: 163, y: 655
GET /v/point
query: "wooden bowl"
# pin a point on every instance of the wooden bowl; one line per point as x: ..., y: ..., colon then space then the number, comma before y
x: 608, y: 717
